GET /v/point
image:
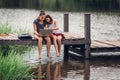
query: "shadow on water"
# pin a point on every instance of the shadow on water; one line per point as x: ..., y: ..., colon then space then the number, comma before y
x: 113, y: 60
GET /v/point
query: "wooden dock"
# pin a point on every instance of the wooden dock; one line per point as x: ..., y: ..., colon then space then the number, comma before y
x: 72, y: 42
x: 105, y: 45
x: 12, y: 39
x: 70, y: 39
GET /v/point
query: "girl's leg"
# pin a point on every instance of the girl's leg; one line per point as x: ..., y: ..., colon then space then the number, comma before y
x: 48, y: 46
x: 39, y: 46
x: 55, y: 45
x: 59, y: 38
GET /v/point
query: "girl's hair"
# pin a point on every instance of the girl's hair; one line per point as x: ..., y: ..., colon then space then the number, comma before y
x: 41, y: 13
x: 48, y: 16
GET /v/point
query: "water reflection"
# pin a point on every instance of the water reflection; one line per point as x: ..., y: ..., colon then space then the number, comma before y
x: 63, y: 71
x: 77, y: 70
x: 49, y: 71
x: 94, y: 69
x: 57, y: 72
x: 86, y: 70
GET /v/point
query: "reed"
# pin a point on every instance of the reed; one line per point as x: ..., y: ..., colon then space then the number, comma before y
x: 12, y: 67
x: 5, y: 28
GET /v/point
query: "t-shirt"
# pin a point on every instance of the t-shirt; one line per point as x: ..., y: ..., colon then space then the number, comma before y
x: 55, y: 31
x: 38, y: 25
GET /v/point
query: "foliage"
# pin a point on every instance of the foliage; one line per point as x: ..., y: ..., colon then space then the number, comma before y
x: 64, y: 5
x: 5, y: 28
x: 19, y: 49
x: 13, y: 68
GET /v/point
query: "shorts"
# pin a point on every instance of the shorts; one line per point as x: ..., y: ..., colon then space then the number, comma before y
x: 59, y: 34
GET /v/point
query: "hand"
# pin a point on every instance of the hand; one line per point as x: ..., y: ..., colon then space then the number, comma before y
x: 39, y: 35
x: 46, y: 28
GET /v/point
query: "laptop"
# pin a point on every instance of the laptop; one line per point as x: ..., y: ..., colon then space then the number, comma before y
x: 45, y: 32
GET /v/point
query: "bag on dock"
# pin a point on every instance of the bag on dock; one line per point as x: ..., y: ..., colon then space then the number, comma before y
x: 24, y: 36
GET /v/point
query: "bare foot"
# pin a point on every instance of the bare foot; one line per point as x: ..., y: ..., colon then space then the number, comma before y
x: 39, y: 57
x: 58, y: 54
x: 49, y: 56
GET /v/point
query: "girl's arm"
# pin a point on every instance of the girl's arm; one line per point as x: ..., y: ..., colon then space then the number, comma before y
x: 35, y: 29
x: 56, y: 25
x: 46, y: 27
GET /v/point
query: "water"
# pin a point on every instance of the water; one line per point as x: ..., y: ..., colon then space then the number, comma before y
x: 105, y: 25
x: 96, y: 69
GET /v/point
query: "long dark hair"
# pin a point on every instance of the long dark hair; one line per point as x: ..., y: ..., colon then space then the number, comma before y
x: 48, y: 16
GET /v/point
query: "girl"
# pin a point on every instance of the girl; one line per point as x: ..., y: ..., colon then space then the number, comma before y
x: 38, y: 24
x: 57, y: 33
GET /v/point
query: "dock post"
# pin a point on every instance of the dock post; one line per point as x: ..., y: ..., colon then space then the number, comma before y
x: 87, y: 70
x: 87, y: 35
x: 66, y: 29
x: 66, y: 23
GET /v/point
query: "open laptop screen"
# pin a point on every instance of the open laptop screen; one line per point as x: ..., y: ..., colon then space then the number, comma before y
x: 46, y: 32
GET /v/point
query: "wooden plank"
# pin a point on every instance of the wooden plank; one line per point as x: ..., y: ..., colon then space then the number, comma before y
x: 18, y: 42
x: 75, y: 50
x: 24, y: 42
x: 70, y: 38
x: 14, y: 36
x: 73, y: 42
x: 71, y: 35
x: 96, y: 44
x: 66, y: 34
x: 114, y: 42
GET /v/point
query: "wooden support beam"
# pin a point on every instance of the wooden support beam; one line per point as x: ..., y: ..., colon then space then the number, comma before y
x: 87, y: 35
x: 66, y: 52
x: 66, y: 29
x: 87, y: 70
x: 66, y: 23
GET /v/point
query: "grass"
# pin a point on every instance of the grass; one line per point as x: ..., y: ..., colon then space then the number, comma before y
x: 12, y: 67
x: 19, y: 49
x: 5, y: 28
